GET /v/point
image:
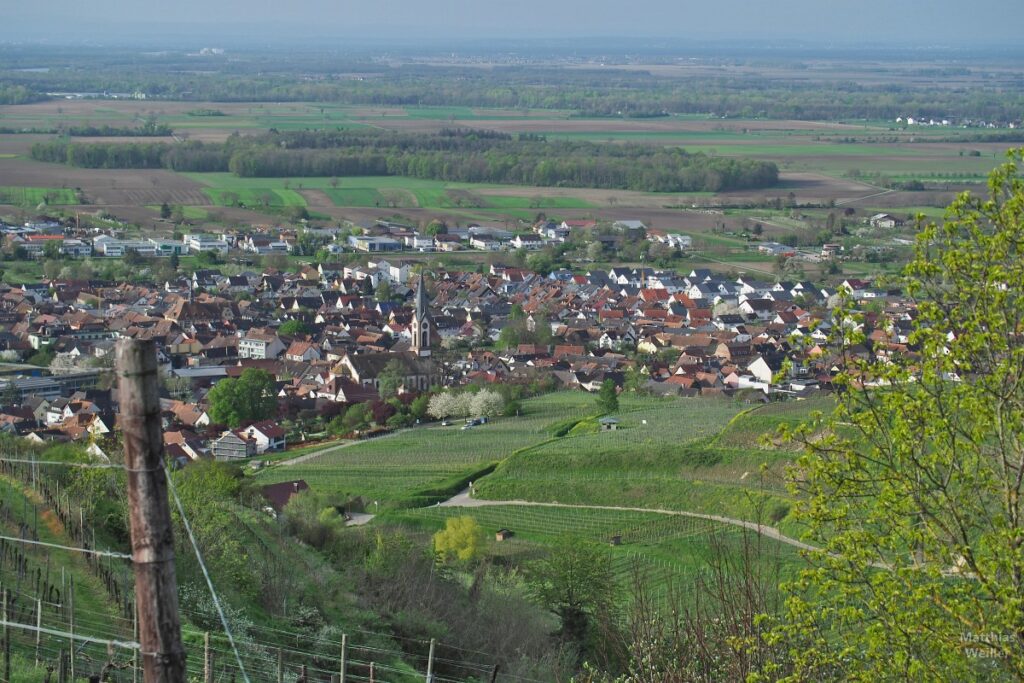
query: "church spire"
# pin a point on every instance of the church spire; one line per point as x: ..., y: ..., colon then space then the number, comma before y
x: 421, y: 299
x: 421, y: 328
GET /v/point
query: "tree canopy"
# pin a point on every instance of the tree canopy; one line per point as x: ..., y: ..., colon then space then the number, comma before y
x: 912, y: 487
x: 249, y: 398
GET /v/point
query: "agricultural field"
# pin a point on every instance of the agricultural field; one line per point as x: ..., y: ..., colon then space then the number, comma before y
x: 670, y: 551
x: 32, y: 196
x: 678, y: 460
x: 394, y: 470
x: 698, y: 455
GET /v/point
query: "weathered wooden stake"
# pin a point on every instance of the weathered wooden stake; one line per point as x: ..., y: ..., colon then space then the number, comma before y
x: 344, y: 655
x: 280, y: 666
x: 207, y: 662
x: 135, y: 652
x: 156, y: 588
x: 39, y: 626
x: 7, y: 641
x: 430, y: 662
x: 71, y: 628
x: 494, y: 674
x: 373, y: 677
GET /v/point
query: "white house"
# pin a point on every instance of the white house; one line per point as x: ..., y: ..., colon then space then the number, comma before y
x: 267, y: 435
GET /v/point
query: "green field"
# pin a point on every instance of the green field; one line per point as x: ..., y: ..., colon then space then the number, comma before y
x: 670, y: 462
x: 380, y: 191
x: 698, y: 455
x: 670, y: 550
x: 33, y: 196
x: 395, y: 469
x: 252, y: 197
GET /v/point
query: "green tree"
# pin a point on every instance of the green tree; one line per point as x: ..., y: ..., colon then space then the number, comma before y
x: 293, y: 328
x: 607, y: 397
x: 356, y: 417
x: 250, y: 398
x: 165, y: 210
x: 384, y: 291
x: 461, y: 539
x: 390, y: 379
x: 912, y: 486
x: 576, y: 583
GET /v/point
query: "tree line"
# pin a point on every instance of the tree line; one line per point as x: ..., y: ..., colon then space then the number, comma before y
x: 585, y: 92
x: 456, y: 156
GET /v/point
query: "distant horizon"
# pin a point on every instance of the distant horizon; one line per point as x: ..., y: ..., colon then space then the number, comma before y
x: 990, y: 24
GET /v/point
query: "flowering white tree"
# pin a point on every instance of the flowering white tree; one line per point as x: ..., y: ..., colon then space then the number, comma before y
x: 487, y: 403
x: 442, y: 405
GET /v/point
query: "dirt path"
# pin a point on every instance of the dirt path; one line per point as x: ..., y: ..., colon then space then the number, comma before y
x: 329, y: 449
x: 463, y: 499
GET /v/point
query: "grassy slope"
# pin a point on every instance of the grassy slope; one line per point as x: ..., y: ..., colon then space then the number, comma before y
x: 393, y: 469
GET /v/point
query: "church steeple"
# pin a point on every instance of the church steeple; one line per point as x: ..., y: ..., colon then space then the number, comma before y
x: 421, y: 323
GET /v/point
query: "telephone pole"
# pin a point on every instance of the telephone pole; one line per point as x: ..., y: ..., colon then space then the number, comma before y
x: 156, y: 587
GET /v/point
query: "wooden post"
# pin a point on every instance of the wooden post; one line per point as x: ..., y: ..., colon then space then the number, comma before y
x: 430, y: 662
x: 62, y: 668
x: 135, y: 652
x: 344, y: 654
x: 39, y: 626
x: 280, y: 666
x: 373, y: 677
x: 494, y: 674
x: 156, y: 588
x: 207, y: 662
x: 7, y: 641
x: 71, y: 628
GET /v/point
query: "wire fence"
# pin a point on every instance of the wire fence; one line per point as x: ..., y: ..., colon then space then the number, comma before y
x: 97, y: 639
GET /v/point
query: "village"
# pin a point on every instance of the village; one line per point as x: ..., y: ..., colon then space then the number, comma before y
x: 329, y: 333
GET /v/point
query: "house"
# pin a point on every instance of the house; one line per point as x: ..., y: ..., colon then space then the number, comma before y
x: 504, y: 535
x: 884, y: 220
x: 608, y: 424
x: 260, y: 344
x: 278, y: 495
x: 302, y: 352
x: 267, y: 435
x: 233, y: 445
x: 527, y: 241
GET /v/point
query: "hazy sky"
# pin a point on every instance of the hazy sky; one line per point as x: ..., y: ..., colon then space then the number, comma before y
x: 966, y: 22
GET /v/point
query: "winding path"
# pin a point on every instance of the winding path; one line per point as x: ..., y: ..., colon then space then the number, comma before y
x: 463, y: 499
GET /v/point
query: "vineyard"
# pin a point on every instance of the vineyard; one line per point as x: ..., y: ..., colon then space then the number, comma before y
x: 663, y: 455
x: 395, y: 469
x: 670, y: 551
x: 68, y: 596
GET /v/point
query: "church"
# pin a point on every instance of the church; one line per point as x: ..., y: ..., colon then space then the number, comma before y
x: 421, y: 371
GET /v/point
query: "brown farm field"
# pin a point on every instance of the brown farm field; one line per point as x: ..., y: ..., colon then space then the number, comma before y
x: 818, y: 163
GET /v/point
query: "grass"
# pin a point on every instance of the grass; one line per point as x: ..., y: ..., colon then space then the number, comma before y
x: 33, y: 196
x: 750, y: 428
x: 669, y: 550
x: 254, y: 197
x: 396, y: 470
x: 675, y: 461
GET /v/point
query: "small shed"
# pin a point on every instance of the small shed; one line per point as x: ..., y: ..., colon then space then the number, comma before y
x: 616, y: 539
x: 503, y: 535
x: 608, y: 424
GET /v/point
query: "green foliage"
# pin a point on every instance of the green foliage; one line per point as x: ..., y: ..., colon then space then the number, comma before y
x: 913, y: 491
x: 461, y: 539
x: 575, y: 582
x: 608, y: 397
x: 43, y: 357
x: 250, y: 398
x: 293, y: 328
